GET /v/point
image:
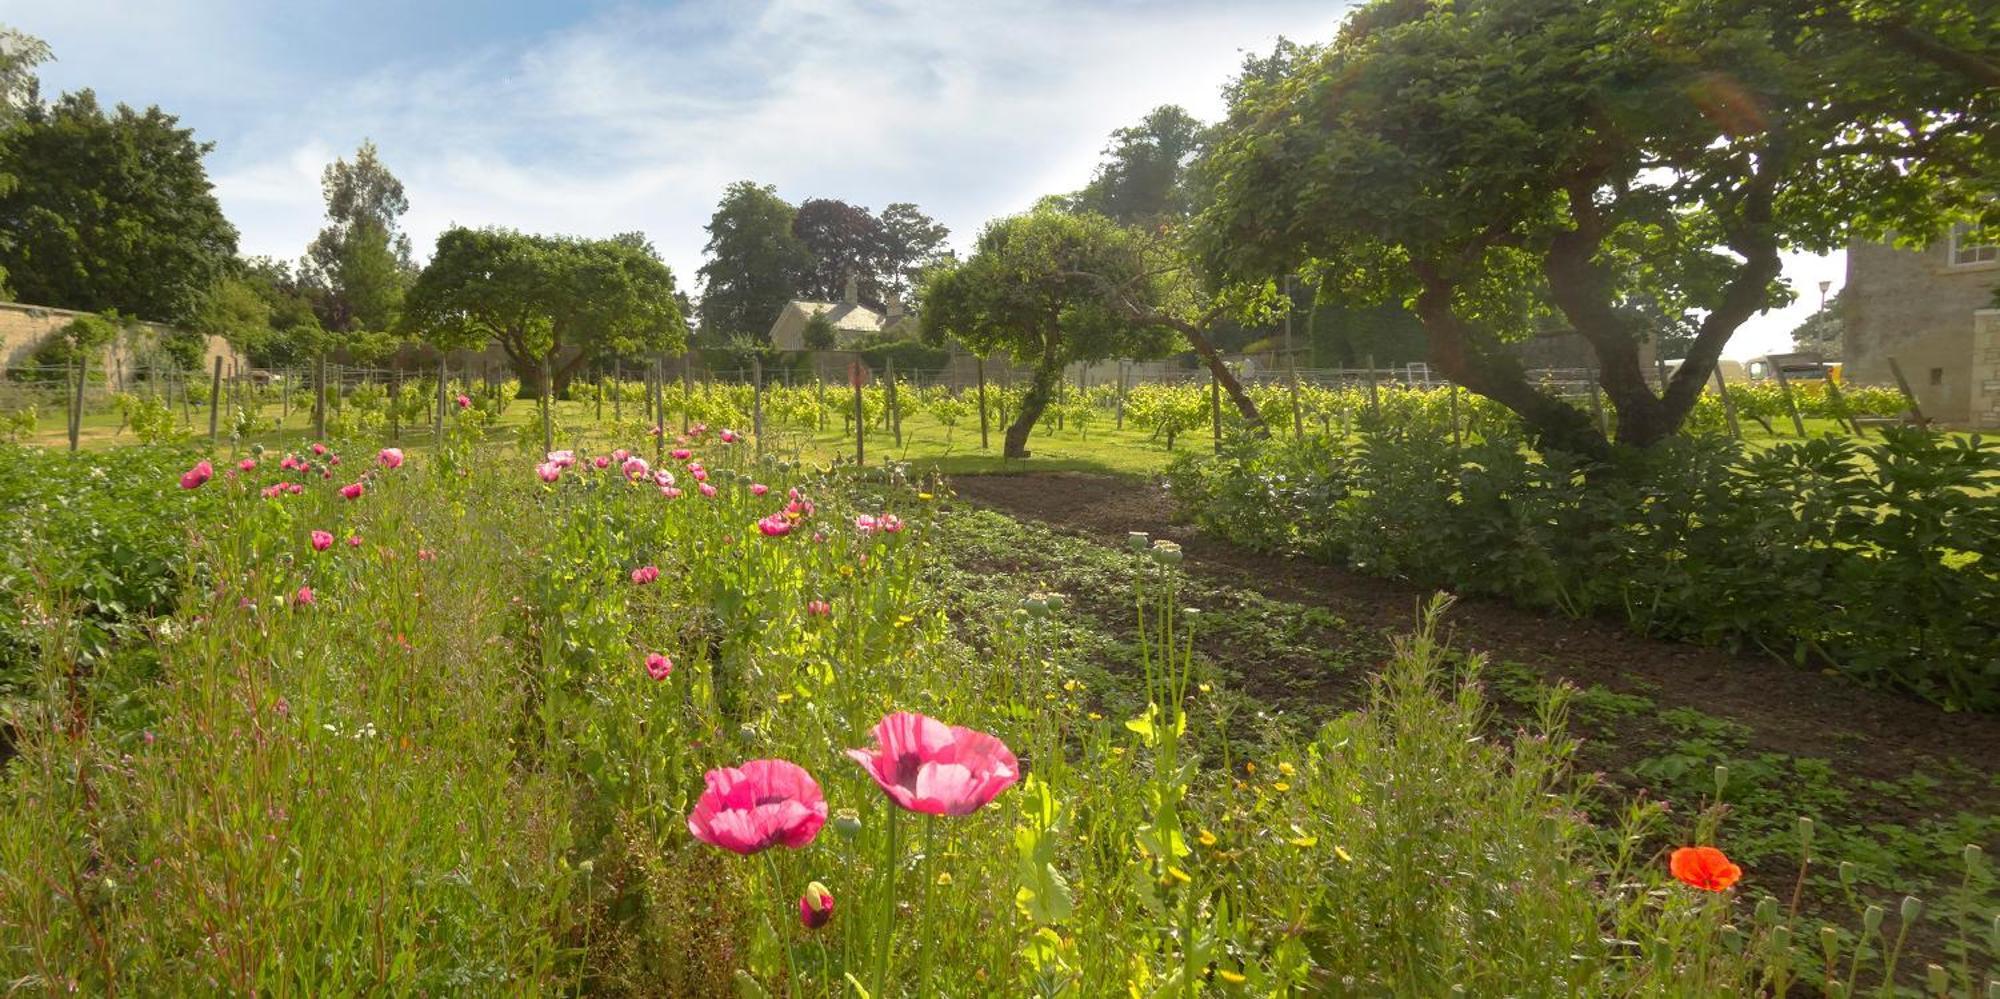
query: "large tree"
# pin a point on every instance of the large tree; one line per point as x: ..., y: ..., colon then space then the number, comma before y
x: 552, y: 303
x: 845, y: 242
x: 912, y: 242
x: 1142, y: 177
x: 1035, y: 287
x: 261, y: 308
x: 1496, y: 162
x: 358, y: 267
x: 754, y: 264
x: 109, y: 211
x: 19, y: 55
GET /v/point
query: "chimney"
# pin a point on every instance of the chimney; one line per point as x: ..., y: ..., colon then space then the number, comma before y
x: 853, y: 296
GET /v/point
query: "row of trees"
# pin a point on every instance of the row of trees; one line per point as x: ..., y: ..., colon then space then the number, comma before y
x: 763, y: 252
x: 112, y: 212
x: 1626, y: 170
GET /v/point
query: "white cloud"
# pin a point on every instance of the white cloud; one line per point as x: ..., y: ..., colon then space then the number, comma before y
x: 637, y: 119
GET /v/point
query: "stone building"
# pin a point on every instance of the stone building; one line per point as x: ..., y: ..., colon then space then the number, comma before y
x: 1932, y: 311
x: 850, y: 320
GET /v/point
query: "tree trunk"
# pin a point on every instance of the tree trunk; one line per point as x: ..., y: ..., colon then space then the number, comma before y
x: 1226, y: 378
x: 1457, y: 349
x: 1040, y: 389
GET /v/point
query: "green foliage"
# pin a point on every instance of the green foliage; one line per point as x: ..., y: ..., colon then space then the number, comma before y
x: 109, y: 211
x: 1825, y: 552
x: 754, y: 263
x: 358, y: 267
x: 560, y: 301
x: 1499, y: 163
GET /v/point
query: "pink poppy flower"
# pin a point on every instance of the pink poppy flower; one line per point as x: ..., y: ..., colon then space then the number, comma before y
x: 682, y: 454
x: 289, y: 463
x: 194, y: 477
x: 635, y: 468
x: 247, y: 464
x: 819, y: 608
x: 799, y: 509
x: 670, y: 492
x: 465, y: 402
x: 728, y: 436
x: 707, y: 491
x: 620, y: 454
x: 294, y: 488
x: 645, y: 574
x: 562, y: 459
x: 318, y: 448
x: 602, y: 461
x: 926, y: 766
x: 700, y: 474
x: 333, y: 459
x: 775, y: 526
x: 353, y: 490
x: 659, y: 667
x: 864, y: 523
x: 759, y: 489
x: 354, y: 541
x: 815, y: 906
x: 272, y: 491
x: 889, y: 523
x: 761, y: 804
x: 304, y: 597
x: 390, y: 457
x: 662, y: 477
x: 321, y: 541
x: 549, y: 471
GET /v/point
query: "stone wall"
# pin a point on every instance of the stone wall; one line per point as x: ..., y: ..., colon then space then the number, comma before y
x: 1986, y: 369
x: 24, y: 327
x: 1914, y: 306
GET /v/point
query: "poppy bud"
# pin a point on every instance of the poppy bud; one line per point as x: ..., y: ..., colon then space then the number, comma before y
x: 1871, y: 918
x: 815, y: 906
x: 1939, y: 979
x: 1721, y: 779
x: 1805, y: 832
x: 1971, y: 855
x: 1913, y: 908
x: 1848, y: 869
x: 1137, y: 540
x: 1829, y: 943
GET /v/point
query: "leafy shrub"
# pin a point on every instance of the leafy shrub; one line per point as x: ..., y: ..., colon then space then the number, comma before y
x: 1870, y: 557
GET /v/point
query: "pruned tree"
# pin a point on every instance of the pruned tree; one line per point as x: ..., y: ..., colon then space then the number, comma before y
x: 1495, y: 162
x: 1035, y: 287
x: 551, y: 303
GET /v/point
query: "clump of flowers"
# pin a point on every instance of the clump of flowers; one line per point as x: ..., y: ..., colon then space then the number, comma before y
x: 645, y: 574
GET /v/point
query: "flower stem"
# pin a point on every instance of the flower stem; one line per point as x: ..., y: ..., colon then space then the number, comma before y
x: 887, y: 933
x: 924, y: 916
x: 778, y: 893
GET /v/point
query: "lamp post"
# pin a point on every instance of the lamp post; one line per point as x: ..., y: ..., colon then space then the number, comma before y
x: 1823, y: 286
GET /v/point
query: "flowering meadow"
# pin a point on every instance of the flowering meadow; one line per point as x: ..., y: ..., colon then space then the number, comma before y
x: 669, y: 717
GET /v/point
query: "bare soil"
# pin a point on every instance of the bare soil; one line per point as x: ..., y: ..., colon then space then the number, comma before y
x: 1787, y: 709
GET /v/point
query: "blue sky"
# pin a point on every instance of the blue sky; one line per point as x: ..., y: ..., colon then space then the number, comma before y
x: 597, y: 117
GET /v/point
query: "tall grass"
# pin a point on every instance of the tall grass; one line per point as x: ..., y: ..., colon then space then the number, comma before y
x: 451, y: 773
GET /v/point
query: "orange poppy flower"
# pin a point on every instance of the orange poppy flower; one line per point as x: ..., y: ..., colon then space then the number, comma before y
x: 1704, y: 867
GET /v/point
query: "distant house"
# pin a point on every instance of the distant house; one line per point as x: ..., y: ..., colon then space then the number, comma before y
x: 850, y: 320
x: 1932, y: 311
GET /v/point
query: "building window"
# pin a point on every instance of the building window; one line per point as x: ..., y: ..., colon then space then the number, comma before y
x: 1937, y: 376
x: 1967, y: 250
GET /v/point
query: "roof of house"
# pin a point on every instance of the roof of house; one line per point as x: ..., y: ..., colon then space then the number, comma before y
x: 845, y: 316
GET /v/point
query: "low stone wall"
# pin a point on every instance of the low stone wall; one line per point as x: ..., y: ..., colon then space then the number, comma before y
x: 24, y: 327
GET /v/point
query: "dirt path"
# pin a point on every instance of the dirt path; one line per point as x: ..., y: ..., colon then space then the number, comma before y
x: 1788, y: 710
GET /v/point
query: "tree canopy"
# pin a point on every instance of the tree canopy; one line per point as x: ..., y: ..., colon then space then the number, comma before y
x: 109, y: 211
x: 1142, y: 178
x: 844, y: 241
x: 1034, y: 287
x: 754, y: 264
x: 1502, y: 163
x: 358, y: 267
x: 552, y: 303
